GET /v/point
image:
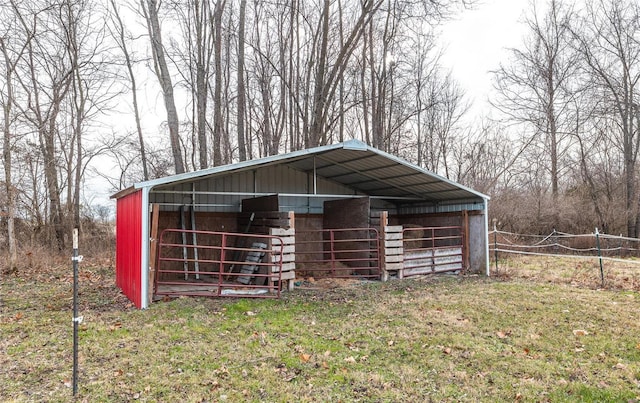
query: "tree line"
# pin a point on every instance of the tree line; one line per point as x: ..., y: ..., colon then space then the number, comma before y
x: 237, y: 80
x: 571, y: 91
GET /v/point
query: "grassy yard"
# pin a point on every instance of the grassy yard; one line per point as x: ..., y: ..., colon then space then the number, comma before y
x: 434, y: 339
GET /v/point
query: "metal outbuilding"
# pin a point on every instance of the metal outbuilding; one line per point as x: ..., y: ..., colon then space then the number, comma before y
x: 326, y: 188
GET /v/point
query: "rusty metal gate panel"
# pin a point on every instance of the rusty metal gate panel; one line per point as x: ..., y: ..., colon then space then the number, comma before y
x: 339, y: 253
x: 228, y: 265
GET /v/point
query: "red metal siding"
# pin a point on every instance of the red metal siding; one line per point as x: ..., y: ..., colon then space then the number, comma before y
x: 129, y: 246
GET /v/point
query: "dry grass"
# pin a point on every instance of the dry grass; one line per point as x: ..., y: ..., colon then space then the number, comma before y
x: 436, y: 339
x: 619, y: 274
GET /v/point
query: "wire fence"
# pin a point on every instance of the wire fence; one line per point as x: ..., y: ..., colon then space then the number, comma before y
x: 597, y: 259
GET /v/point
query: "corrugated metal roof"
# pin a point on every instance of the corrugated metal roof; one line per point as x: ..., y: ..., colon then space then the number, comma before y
x: 353, y: 164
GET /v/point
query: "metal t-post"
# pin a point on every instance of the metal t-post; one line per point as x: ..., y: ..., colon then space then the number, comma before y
x: 495, y: 244
x: 76, y: 320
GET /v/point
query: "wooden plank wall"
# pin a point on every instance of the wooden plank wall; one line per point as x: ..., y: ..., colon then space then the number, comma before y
x: 286, y: 249
x: 392, y: 248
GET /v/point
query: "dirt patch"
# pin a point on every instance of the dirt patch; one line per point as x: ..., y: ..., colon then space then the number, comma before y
x: 318, y: 270
x: 327, y: 282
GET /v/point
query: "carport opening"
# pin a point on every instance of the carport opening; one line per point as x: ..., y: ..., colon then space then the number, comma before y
x: 262, y: 250
x: 342, y: 242
x: 222, y: 254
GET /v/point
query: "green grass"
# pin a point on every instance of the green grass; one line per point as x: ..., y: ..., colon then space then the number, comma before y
x: 440, y: 339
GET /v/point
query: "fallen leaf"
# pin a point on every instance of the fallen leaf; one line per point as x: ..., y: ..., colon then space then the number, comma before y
x: 305, y: 357
x: 325, y: 365
x: 67, y: 383
x: 250, y: 313
x: 580, y: 332
x: 620, y: 366
x: 115, y: 326
x: 502, y: 335
x: 390, y: 343
x: 19, y: 316
x: 327, y: 353
x: 350, y: 360
x: 447, y: 350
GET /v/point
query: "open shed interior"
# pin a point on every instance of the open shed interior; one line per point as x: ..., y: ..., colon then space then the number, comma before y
x: 345, y: 210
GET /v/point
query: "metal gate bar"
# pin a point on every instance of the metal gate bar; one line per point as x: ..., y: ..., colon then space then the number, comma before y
x: 216, y: 259
x: 339, y: 253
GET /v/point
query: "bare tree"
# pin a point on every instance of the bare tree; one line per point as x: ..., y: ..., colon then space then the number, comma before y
x: 47, y: 81
x: 485, y: 158
x: 242, y: 150
x: 203, y: 48
x: 7, y: 98
x: 120, y: 36
x: 534, y: 88
x: 444, y: 106
x: 217, y: 92
x: 192, y: 55
x: 150, y: 10
x: 327, y: 78
x: 611, y: 50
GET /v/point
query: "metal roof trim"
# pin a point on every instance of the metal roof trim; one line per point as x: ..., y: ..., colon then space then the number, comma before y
x: 124, y: 192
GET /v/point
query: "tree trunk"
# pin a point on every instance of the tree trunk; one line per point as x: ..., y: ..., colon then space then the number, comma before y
x: 202, y: 74
x: 242, y: 150
x: 122, y: 43
x: 7, y: 159
x: 317, y: 134
x: 217, y: 92
x: 44, y: 118
x: 46, y: 136
x: 164, y: 78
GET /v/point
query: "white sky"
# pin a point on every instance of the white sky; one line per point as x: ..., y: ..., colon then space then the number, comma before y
x: 476, y: 42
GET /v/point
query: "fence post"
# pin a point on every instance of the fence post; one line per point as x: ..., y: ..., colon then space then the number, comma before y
x: 599, y: 257
x: 495, y: 244
x: 621, y: 255
x: 76, y: 319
